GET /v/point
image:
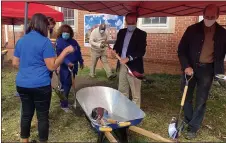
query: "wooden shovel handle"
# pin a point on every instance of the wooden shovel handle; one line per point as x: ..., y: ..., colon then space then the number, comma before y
x: 148, y: 134
x: 184, y: 95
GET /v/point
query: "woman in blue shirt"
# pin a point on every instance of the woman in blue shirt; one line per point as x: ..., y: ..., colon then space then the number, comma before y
x: 35, y: 57
x: 64, y: 38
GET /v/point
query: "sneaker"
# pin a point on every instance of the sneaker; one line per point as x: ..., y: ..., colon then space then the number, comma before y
x: 66, y: 109
x: 190, y: 135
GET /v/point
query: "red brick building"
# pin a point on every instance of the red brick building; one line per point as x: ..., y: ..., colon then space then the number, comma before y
x: 164, y: 35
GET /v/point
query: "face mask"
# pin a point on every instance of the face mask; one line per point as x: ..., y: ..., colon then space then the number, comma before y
x: 101, y: 31
x: 209, y: 23
x: 131, y: 27
x: 65, y: 35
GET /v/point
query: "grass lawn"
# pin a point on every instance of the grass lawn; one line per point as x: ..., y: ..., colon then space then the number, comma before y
x: 160, y: 102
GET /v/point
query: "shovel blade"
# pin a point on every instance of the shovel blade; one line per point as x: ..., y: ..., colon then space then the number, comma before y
x: 172, y: 131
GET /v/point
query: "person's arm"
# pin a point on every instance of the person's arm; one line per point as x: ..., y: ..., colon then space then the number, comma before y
x: 92, y: 40
x: 52, y: 62
x: 16, y: 62
x: 140, y: 51
x: 183, y: 50
x: 60, y: 46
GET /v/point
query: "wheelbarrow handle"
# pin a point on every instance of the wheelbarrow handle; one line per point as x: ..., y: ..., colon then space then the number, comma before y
x: 149, y: 134
x: 103, y: 127
x: 110, y: 137
x: 120, y: 124
x: 107, y: 130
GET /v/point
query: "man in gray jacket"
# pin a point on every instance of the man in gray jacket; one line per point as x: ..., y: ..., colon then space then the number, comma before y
x: 98, y: 41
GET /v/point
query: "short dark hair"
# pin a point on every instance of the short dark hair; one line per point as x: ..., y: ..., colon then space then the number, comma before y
x: 51, y: 20
x: 132, y: 13
x: 39, y: 23
x: 65, y: 28
x: 218, y: 9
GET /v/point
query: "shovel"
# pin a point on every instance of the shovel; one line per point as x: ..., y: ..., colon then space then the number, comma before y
x: 134, y: 73
x: 222, y: 80
x: 73, y: 84
x: 59, y: 91
x: 175, y: 128
x: 221, y: 77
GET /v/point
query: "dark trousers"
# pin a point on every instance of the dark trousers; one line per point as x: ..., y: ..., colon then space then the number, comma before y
x: 203, y: 77
x: 35, y: 99
x: 65, y: 79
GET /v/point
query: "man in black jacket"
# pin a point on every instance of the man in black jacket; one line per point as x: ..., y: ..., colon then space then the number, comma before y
x: 201, y: 51
x: 131, y: 47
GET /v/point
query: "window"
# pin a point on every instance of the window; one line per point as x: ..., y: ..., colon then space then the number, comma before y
x: 157, y: 24
x: 17, y: 28
x: 69, y: 17
x: 155, y: 21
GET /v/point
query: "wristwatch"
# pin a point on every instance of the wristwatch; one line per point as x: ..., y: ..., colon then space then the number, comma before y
x: 130, y: 58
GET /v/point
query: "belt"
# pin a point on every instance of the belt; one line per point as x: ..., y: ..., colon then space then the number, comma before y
x: 204, y: 64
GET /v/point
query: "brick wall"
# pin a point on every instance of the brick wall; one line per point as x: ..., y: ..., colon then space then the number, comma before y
x: 161, y: 53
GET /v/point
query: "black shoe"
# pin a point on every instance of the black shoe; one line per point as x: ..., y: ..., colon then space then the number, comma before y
x: 188, y: 128
x: 190, y: 135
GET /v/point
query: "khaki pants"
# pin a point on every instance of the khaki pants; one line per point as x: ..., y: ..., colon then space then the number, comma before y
x: 127, y: 82
x: 95, y: 56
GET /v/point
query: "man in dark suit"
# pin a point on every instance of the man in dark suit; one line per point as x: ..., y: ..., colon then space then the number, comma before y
x: 131, y: 47
x: 201, y: 51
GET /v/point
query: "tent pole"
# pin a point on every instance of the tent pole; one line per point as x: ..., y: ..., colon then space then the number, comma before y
x: 25, y: 17
x: 14, y: 36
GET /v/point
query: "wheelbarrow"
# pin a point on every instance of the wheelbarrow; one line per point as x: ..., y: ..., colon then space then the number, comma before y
x: 119, y: 108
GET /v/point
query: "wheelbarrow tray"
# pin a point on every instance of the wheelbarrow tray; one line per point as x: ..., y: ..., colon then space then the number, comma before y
x: 119, y: 107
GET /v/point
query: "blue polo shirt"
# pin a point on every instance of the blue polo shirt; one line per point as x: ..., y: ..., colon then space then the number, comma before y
x: 32, y: 49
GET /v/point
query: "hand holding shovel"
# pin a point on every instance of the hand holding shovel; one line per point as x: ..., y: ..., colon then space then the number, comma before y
x: 73, y: 84
x: 134, y: 73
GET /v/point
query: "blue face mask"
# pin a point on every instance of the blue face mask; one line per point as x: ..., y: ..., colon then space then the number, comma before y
x: 65, y: 35
x: 131, y: 27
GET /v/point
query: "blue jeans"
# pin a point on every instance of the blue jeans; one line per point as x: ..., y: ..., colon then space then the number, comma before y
x: 203, y: 78
x: 35, y: 99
